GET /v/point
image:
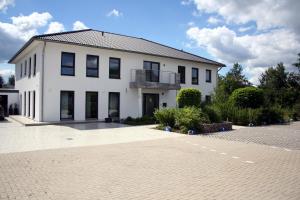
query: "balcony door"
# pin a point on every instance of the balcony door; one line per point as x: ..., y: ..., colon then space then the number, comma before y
x: 152, y: 71
x: 150, y: 103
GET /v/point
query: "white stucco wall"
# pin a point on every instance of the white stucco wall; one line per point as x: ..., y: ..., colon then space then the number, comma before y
x: 54, y: 82
x: 12, y: 98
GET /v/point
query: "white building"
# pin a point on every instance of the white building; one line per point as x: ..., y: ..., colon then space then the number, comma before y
x: 90, y: 74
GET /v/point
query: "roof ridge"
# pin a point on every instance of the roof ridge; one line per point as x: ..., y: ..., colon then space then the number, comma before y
x: 61, y: 33
x: 117, y: 34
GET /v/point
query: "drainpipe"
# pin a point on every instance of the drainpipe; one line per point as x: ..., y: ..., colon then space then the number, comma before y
x: 42, y: 84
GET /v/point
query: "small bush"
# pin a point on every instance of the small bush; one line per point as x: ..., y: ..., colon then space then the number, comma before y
x: 166, y: 116
x: 248, y: 97
x: 295, y: 113
x: 189, y: 97
x: 213, y: 114
x: 139, y: 120
x: 190, y: 118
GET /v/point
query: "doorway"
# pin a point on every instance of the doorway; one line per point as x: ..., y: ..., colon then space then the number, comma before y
x: 150, y: 103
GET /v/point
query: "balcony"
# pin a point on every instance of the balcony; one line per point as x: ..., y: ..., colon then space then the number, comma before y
x: 154, y: 79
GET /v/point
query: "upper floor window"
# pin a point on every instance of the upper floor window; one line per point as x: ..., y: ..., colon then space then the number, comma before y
x: 92, y: 66
x: 114, y: 68
x: 195, y: 76
x: 25, y: 68
x: 29, y: 70
x: 68, y: 64
x: 152, y: 71
x: 21, y: 71
x: 207, y: 98
x: 208, y: 76
x: 34, y: 64
x: 181, y: 71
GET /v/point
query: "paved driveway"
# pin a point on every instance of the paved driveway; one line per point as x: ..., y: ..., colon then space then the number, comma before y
x: 170, y: 166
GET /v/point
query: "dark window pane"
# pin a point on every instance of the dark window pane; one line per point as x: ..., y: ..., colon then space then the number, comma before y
x: 114, y: 105
x: 67, y: 71
x: 92, y: 72
x: 67, y: 59
x: 208, y: 75
x: 92, y: 61
x: 181, y: 71
x: 114, y: 68
x: 152, y: 71
x: 194, y: 76
x: 34, y: 64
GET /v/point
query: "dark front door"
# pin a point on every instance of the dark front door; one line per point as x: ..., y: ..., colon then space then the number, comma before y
x: 150, y: 103
x: 3, y: 103
x: 91, y: 105
x: 67, y: 105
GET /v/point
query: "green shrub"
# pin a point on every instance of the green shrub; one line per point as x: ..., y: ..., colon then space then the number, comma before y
x: 295, y: 113
x: 190, y: 118
x: 166, y: 116
x: 248, y: 97
x: 189, y: 97
x: 139, y: 120
x: 213, y: 114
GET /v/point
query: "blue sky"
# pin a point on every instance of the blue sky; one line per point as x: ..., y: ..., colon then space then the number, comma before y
x: 226, y: 31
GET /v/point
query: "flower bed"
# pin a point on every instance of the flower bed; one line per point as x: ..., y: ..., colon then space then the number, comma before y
x: 216, y: 127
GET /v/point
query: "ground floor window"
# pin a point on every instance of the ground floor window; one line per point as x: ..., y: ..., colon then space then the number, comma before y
x: 28, y: 103
x: 91, y: 105
x: 24, y: 104
x: 33, y: 107
x: 67, y: 105
x: 114, y: 105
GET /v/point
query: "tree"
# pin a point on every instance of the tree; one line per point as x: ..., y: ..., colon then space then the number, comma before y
x: 11, y: 80
x: 297, y: 64
x: 188, y: 97
x: 280, y: 87
x: 1, y: 81
x: 248, y: 97
x: 233, y: 80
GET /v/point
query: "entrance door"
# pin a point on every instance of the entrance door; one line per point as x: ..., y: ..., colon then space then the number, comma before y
x: 150, y: 103
x: 3, y: 103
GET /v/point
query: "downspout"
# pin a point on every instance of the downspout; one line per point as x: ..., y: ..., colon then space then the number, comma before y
x: 42, y: 83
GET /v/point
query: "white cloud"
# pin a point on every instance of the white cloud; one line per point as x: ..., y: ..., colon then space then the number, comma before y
x: 246, y: 28
x: 114, y: 13
x: 13, y: 35
x: 213, y: 20
x: 5, y: 3
x: 55, y: 27
x: 266, y: 13
x: 6, y: 72
x: 186, y: 2
x: 191, y: 24
x: 78, y: 25
x: 256, y: 52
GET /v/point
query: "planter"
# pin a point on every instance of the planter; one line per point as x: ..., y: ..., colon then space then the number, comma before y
x: 216, y: 127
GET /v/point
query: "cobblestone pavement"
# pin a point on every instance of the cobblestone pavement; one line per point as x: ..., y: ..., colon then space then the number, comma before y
x: 188, y: 167
x: 284, y: 136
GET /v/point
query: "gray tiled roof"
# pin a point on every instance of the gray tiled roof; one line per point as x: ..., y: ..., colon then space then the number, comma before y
x: 107, y: 40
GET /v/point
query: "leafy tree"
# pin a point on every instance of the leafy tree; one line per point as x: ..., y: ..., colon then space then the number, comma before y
x: 189, y: 97
x: 11, y: 80
x: 233, y: 80
x: 297, y: 64
x: 1, y: 81
x: 248, y: 97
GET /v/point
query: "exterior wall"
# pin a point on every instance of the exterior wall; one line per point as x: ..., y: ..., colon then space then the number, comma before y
x: 54, y: 82
x: 26, y: 84
x: 12, y: 98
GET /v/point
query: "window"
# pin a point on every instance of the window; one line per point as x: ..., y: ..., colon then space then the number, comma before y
x: 29, y: 70
x: 195, y: 76
x: 21, y: 70
x: 208, y: 76
x: 152, y: 71
x: 28, y: 103
x: 33, y: 108
x: 181, y: 71
x: 114, y: 68
x: 207, y: 98
x: 68, y: 64
x: 114, y: 105
x: 34, y: 64
x: 25, y: 68
x: 67, y: 105
x: 24, y: 104
x: 91, y: 105
x: 92, y: 66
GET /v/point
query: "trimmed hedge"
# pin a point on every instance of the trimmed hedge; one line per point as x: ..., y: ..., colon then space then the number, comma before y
x: 248, y: 97
x: 188, y: 97
x: 213, y: 114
